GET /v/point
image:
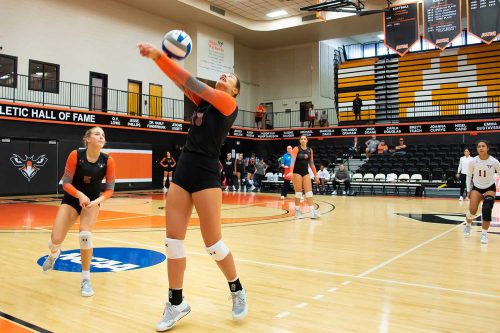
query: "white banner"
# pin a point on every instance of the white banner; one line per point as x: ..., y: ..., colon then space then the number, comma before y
x: 215, y: 54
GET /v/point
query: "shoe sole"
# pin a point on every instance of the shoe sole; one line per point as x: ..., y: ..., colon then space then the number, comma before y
x: 175, y: 322
x: 87, y: 295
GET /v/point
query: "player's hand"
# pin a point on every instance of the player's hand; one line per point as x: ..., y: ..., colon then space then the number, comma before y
x: 316, y: 181
x: 93, y: 203
x: 84, y: 200
x: 149, y: 51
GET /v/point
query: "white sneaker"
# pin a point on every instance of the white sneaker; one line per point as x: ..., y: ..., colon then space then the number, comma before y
x: 282, y: 198
x: 252, y: 188
x: 315, y: 214
x: 298, y: 215
x: 87, y: 290
x: 461, y: 198
x: 226, y: 189
x: 165, y: 190
x: 49, y: 262
x: 343, y: 192
x: 484, y: 239
x: 240, y: 305
x: 467, y: 230
x: 334, y: 193
x: 234, y: 188
x: 172, y: 314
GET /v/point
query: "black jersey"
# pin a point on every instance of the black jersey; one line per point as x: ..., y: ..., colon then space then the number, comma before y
x: 169, y: 162
x: 240, y: 165
x: 228, y: 164
x: 208, y: 130
x: 88, y: 176
x: 302, y: 161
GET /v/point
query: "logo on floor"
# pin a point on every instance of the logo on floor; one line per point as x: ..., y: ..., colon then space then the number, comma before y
x: 108, y: 259
x: 447, y: 218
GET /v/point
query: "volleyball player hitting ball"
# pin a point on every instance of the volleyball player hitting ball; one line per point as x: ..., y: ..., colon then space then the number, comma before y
x: 84, y: 171
x: 168, y: 164
x: 197, y: 181
x: 302, y: 159
x: 482, y: 171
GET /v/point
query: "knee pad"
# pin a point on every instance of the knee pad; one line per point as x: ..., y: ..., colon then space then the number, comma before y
x: 169, y: 179
x: 218, y: 251
x: 488, y: 203
x: 85, y: 240
x: 53, y: 247
x: 470, y: 216
x: 309, y: 194
x: 164, y: 179
x: 174, y: 248
x: 298, y: 195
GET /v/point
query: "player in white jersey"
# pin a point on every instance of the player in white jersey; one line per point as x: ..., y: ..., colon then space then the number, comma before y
x: 481, y: 187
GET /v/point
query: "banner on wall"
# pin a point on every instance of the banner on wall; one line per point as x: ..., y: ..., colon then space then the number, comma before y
x: 401, y: 27
x: 18, y: 112
x: 483, y: 19
x: 442, y: 21
x: 215, y: 54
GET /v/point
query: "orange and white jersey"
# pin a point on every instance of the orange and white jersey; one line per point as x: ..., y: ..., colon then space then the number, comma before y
x: 482, y: 172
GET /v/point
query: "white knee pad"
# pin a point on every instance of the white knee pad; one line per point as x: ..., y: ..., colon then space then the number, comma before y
x: 298, y: 195
x: 169, y: 179
x: 53, y: 247
x: 174, y: 248
x: 309, y: 194
x: 85, y: 240
x: 470, y: 216
x: 164, y: 179
x: 218, y: 251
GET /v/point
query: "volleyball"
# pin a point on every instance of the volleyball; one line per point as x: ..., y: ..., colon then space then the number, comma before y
x: 177, y: 44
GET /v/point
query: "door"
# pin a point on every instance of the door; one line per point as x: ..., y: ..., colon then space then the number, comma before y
x: 155, y: 100
x: 134, y: 98
x: 98, y: 92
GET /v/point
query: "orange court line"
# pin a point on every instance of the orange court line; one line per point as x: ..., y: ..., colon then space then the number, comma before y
x: 11, y: 327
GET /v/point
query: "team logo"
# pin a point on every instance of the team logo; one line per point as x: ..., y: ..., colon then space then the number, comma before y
x: 29, y: 165
x: 107, y: 259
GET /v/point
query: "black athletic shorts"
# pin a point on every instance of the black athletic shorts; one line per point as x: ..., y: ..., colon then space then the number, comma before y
x: 483, y: 191
x: 73, y: 202
x: 195, y: 172
x: 168, y: 169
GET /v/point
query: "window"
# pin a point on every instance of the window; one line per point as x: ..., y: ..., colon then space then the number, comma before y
x: 8, y: 71
x: 44, y: 77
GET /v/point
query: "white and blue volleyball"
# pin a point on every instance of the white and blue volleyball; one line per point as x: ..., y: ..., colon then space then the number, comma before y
x: 177, y: 44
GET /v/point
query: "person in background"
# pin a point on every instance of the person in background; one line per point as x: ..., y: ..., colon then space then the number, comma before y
x: 324, y: 177
x: 284, y: 162
x: 371, y: 146
x: 323, y: 119
x: 260, y: 114
x: 481, y: 186
x: 229, y: 172
x: 357, y: 103
x: 463, y: 167
x: 341, y: 177
x: 382, y: 148
x: 260, y: 171
x: 312, y: 116
x: 400, y: 149
x: 354, y: 148
x: 168, y: 164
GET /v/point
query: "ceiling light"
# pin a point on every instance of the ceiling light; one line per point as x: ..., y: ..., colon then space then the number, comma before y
x: 277, y: 13
x: 381, y: 36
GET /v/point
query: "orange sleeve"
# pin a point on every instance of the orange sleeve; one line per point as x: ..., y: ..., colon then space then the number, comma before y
x: 221, y: 100
x: 295, y: 151
x: 69, y: 173
x: 311, y: 164
x: 110, y: 178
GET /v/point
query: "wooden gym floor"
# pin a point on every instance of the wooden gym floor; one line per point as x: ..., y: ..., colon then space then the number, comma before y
x: 369, y: 264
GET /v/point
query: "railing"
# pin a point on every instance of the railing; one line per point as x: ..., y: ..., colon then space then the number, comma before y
x: 418, y: 110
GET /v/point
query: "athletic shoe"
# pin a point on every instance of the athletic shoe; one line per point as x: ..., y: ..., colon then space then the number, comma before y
x: 461, y: 198
x: 484, y: 239
x: 226, y: 189
x: 467, y: 230
x: 298, y: 215
x: 282, y: 198
x: 87, y: 290
x: 315, y: 214
x: 165, y: 190
x: 234, y: 188
x: 343, y: 192
x: 172, y: 314
x: 240, y: 306
x: 334, y: 193
x: 49, y: 262
x: 252, y: 188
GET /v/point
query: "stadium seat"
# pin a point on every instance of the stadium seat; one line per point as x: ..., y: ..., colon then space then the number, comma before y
x: 404, y: 177
x: 415, y: 178
x: 391, y: 177
x: 368, y: 177
x: 357, y: 177
x: 379, y: 177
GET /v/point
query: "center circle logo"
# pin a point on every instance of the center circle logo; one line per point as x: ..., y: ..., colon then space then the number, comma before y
x: 107, y: 259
